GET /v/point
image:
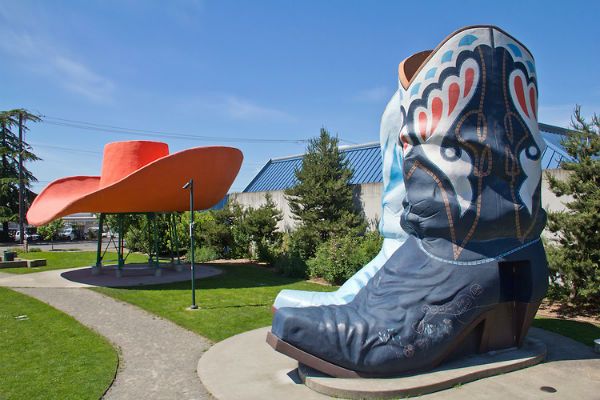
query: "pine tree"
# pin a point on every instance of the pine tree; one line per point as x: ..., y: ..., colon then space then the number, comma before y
x: 576, y: 261
x: 9, y: 166
x: 261, y: 223
x: 322, y: 201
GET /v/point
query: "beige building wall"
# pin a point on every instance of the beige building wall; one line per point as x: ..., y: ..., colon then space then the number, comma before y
x: 368, y: 197
x: 256, y: 199
x: 549, y: 200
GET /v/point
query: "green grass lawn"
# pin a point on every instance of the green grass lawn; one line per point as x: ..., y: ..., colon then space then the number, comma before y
x: 48, y: 355
x: 584, y: 332
x: 236, y: 301
x: 69, y: 259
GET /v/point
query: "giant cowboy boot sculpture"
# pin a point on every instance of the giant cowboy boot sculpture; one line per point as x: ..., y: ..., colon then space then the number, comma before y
x: 389, y: 225
x: 473, y: 270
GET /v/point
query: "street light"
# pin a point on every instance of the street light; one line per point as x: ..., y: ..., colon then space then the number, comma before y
x: 190, y: 185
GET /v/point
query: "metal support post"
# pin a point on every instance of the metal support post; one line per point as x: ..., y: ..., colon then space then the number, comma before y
x: 157, y: 271
x: 149, y: 223
x: 170, y: 223
x: 190, y: 186
x: 97, y: 269
x: 120, y: 261
x: 176, y: 239
x: 175, y: 246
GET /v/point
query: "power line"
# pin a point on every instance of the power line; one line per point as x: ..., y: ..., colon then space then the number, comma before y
x: 76, y: 150
x: 104, y: 128
x: 67, y: 149
x: 158, y: 134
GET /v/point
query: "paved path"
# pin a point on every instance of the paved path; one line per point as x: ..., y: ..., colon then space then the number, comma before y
x: 157, y: 358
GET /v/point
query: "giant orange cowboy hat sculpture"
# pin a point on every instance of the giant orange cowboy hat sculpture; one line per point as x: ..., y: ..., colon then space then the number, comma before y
x: 141, y: 176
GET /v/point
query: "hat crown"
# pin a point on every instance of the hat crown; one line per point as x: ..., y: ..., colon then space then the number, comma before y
x: 122, y: 158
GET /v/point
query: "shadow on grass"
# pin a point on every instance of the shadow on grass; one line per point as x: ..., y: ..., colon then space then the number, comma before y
x: 568, y: 310
x: 583, y: 332
x: 235, y: 276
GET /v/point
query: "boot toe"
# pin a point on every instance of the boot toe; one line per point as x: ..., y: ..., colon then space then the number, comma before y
x: 292, y: 325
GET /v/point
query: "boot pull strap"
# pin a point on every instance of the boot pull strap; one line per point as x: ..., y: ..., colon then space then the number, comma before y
x: 410, y: 66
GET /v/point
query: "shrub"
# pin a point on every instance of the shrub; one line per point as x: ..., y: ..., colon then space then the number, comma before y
x: 290, y: 264
x: 341, y: 257
x: 557, y: 290
x: 369, y: 245
x: 205, y: 254
x: 139, y: 234
x: 268, y: 252
x: 254, y: 231
x: 51, y: 230
x: 302, y: 241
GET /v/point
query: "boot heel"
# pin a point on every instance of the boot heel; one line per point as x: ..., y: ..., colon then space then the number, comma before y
x: 524, y: 313
x: 506, y: 325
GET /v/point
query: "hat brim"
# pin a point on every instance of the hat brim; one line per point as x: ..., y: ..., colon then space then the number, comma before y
x: 156, y: 187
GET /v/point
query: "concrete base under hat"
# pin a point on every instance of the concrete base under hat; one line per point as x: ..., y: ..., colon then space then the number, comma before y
x: 245, y: 367
x: 131, y: 275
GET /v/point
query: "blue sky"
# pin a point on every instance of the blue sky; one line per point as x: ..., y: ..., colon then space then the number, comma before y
x: 254, y: 69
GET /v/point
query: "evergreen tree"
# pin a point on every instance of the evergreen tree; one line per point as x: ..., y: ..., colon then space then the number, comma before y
x: 261, y: 222
x: 9, y: 166
x: 260, y: 225
x: 576, y: 261
x: 322, y: 200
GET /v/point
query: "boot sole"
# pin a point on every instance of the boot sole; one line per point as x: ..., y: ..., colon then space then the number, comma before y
x: 502, y: 327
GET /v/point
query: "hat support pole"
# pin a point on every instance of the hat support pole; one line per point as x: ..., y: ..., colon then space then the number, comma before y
x: 120, y: 261
x: 97, y: 269
x: 157, y: 271
x: 170, y: 224
x: 178, y: 266
x: 176, y: 239
x: 149, y: 237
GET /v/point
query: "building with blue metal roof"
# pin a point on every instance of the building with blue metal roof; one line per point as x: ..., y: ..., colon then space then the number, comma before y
x: 365, y: 162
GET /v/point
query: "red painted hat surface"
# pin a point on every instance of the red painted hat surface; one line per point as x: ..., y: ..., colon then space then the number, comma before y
x: 141, y: 176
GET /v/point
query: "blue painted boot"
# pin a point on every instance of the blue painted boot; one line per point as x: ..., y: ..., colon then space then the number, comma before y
x: 389, y: 226
x: 473, y: 271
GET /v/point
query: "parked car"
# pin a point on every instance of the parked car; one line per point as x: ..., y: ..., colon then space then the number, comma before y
x: 30, y: 237
x: 68, y: 233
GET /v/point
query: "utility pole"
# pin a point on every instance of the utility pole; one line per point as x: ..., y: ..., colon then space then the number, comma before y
x: 21, y: 185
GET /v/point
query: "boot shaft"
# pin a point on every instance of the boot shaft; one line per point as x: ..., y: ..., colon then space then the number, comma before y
x: 471, y: 144
x: 393, y: 182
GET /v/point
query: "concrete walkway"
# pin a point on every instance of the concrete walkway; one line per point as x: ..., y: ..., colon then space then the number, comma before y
x: 157, y: 358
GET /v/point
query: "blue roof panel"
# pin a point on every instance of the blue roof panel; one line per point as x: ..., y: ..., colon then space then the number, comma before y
x: 365, y: 161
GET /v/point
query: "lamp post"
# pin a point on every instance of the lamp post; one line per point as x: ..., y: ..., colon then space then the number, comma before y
x: 190, y: 186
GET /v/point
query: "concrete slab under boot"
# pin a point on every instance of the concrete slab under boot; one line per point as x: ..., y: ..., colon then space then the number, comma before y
x: 245, y: 367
